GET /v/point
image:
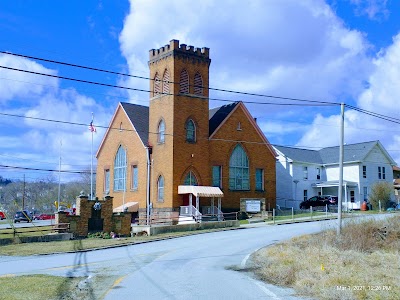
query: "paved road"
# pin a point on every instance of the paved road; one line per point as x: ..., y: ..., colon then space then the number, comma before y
x: 204, y: 266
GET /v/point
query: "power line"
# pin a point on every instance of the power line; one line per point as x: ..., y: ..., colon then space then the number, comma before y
x: 46, y: 170
x: 315, y: 103
x: 147, y: 78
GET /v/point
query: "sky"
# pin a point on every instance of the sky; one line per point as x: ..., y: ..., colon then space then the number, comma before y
x: 329, y: 51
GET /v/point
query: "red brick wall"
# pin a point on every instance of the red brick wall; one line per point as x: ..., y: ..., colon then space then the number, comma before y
x: 136, y: 155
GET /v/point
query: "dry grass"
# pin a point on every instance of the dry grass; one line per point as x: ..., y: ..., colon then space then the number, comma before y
x: 364, y: 263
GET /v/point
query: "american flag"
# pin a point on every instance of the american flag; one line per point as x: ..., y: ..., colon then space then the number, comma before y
x: 91, y: 127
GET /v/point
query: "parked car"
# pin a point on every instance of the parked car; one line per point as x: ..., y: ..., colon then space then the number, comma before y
x: 45, y: 217
x: 321, y: 200
x: 2, y: 215
x: 22, y: 216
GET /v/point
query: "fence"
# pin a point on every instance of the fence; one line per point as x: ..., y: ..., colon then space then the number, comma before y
x: 14, y: 232
x: 313, y: 213
x: 187, y: 219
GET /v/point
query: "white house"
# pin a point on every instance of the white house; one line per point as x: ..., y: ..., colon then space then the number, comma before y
x: 303, y: 173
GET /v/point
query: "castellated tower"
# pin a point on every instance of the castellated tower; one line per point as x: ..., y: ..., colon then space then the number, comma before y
x: 178, y: 120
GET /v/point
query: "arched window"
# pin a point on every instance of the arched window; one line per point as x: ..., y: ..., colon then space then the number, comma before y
x: 160, y: 189
x: 198, y: 84
x: 190, y: 179
x: 161, y: 132
x: 184, y: 82
x: 239, y: 170
x: 120, y: 170
x: 165, y: 84
x: 190, y: 131
x: 157, y: 85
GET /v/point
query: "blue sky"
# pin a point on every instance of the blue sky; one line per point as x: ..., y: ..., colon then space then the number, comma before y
x: 333, y: 51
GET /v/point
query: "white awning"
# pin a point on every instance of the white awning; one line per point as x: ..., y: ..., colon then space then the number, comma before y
x: 129, y: 207
x: 200, y: 191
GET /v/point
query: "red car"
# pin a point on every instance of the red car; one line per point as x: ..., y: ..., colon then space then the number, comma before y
x: 2, y: 215
x: 45, y: 217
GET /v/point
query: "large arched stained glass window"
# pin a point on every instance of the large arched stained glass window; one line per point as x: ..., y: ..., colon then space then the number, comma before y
x: 190, y: 179
x: 239, y: 170
x: 120, y: 170
x: 160, y: 189
x: 161, y: 132
x: 190, y: 131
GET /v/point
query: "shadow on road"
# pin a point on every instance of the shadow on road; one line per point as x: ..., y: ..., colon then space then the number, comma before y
x: 78, y: 283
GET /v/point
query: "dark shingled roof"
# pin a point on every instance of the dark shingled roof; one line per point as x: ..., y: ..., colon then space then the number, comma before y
x: 139, y: 116
x: 329, y: 155
x: 217, y: 115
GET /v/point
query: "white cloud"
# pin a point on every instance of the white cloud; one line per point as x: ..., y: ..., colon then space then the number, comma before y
x: 36, y: 143
x: 380, y: 97
x: 374, y: 9
x: 15, y: 84
x: 276, y: 47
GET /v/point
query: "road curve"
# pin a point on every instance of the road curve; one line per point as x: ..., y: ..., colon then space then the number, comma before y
x: 203, y: 266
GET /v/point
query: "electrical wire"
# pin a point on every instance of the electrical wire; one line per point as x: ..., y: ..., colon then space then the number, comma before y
x: 147, y: 78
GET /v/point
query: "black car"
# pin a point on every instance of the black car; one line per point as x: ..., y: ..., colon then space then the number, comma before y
x: 321, y: 200
x: 22, y: 216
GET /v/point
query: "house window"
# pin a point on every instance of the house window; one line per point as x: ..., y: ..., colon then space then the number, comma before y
x: 184, y: 83
x: 305, y: 195
x: 161, y: 132
x: 157, y: 85
x: 190, y: 179
x: 259, y: 179
x: 160, y: 189
x: 107, y: 180
x: 365, y: 193
x: 217, y: 176
x: 305, y: 172
x: 239, y: 170
x: 383, y: 173
x: 364, y: 171
x: 352, y: 196
x: 379, y: 173
x: 190, y: 131
x: 318, y: 173
x: 135, y: 177
x: 120, y: 170
x: 198, y: 84
x: 165, y: 83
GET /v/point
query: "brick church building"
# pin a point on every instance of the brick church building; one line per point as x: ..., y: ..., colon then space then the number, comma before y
x: 177, y: 152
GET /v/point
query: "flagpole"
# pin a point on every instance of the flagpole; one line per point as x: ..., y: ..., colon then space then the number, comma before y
x: 59, y: 180
x: 91, y: 165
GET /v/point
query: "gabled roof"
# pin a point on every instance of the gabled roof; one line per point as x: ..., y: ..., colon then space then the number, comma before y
x: 139, y: 117
x: 217, y: 115
x: 330, y: 155
x: 300, y: 155
x: 352, y: 152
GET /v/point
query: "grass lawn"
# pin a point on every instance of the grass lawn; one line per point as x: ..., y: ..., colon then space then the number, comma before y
x: 362, y: 263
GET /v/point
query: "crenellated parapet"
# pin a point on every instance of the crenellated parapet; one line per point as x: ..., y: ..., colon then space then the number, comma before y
x: 180, y: 51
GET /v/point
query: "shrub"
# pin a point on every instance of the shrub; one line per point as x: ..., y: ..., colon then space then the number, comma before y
x: 381, y: 191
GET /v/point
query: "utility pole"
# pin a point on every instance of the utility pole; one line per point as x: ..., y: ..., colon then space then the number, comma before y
x: 23, y: 195
x: 341, y: 152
